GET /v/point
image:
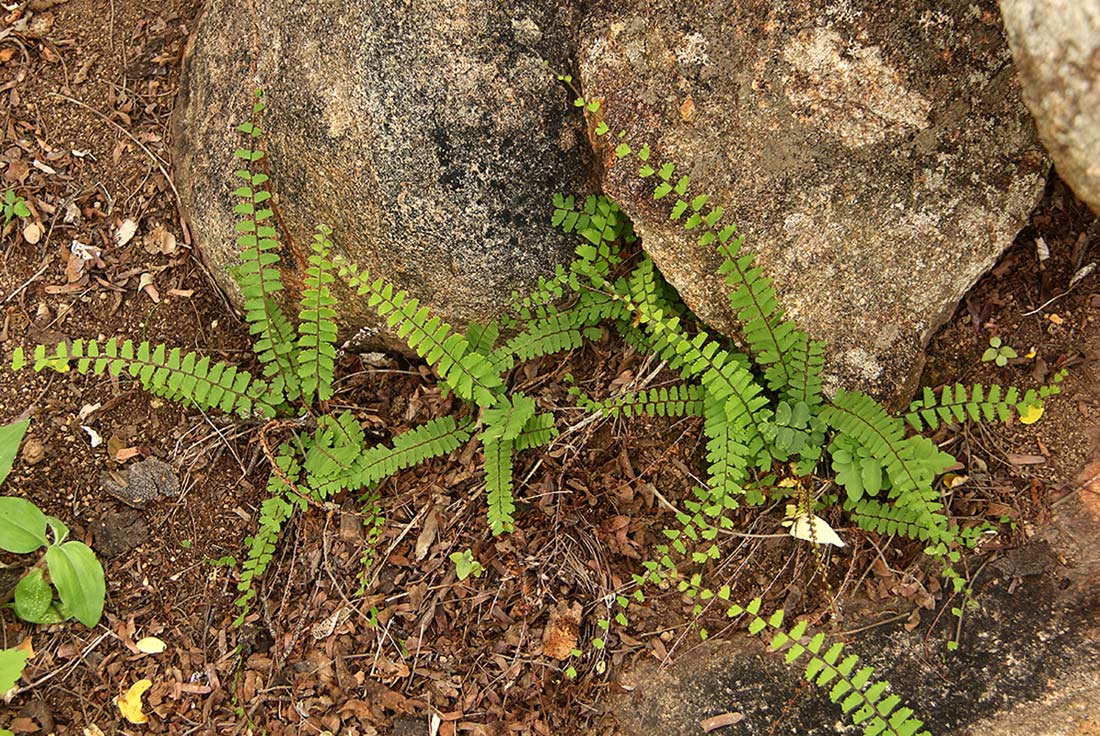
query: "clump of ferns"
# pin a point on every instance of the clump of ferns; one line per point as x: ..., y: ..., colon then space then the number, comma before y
x: 771, y: 431
x: 767, y: 422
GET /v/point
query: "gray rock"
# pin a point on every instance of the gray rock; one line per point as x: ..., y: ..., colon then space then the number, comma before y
x: 878, y: 162
x: 118, y: 533
x: 1056, y: 47
x: 429, y: 135
x: 143, y: 482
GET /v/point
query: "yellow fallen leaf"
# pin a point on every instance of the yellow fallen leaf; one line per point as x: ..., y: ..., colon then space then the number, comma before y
x: 130, y: 702
x: 93, y: 730
x: 954, y: 480
x: 810, y: 528
x: 1031, y: 414
x: 151, y: 645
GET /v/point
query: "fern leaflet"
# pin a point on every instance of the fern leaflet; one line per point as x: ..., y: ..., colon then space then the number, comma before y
x: 498, y: 485
x: 538, y: 431
x: 792, y: 362
x: 959, y: 404
x: 172, y: 374
x: 469, y: 373
x: 859, y: 695
x: 276, y: 509
x: 317, y: 323
x: 434, y: 439
x: 681, y: 400
x: 258, y: 273
x: 910, y: 463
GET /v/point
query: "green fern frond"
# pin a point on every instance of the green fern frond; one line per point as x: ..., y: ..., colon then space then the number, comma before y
x: 275, y: 511
x: 172, y: 374
x: 558, y: 331
x: 468, y: 373
x: 333, y: 450
x: 899, y: 518
x: 912, y: 463
x: 317, y: 323
x: 722, y: 374
x: 258, y: 274
x: 482, y: 337
x: 434, y: 439
x: 681, y: 400
x: 603, y: 226
x: 977, y: 403
x: 538, y: 431
x: 792, y: 362
x: 727, y: 461
x: 726, y: 455
x: 862, y: 698
x: 498, y: 484
x: 503, y: 425
x: 507, y: 418
x: 645, y: 284
x: 373, y: 528
x: 805, y: 361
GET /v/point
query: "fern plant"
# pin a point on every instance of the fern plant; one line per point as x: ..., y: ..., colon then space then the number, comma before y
x: 765, y: 415
x: 328, y: 452
x: 764, y: 412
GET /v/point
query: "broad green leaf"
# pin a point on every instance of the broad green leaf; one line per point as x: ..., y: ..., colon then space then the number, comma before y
x: 22, y: 526
x: 12, y: 662
x: 33, y: 596
x: 58, y: 529
x: 10, y: 437
x: 78, y: 576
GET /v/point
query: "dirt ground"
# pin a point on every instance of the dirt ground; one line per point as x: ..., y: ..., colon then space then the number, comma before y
x: 86, y: 87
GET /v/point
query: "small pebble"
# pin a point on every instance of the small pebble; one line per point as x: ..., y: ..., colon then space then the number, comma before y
x: 33, y: 451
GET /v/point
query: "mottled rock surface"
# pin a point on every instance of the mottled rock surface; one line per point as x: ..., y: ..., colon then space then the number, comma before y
x: 429, y: 135
x: 878, y: 162
x: 1056, y: 48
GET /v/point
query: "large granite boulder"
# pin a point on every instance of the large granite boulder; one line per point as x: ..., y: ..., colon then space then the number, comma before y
x: 430, y: 135
x: 1056, y: 47
x: 879, y: 160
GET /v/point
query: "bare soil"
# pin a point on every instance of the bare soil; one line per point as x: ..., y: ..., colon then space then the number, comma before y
x: 86, y: 87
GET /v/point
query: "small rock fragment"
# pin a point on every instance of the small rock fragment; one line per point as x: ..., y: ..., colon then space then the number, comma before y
x: 33, y: 451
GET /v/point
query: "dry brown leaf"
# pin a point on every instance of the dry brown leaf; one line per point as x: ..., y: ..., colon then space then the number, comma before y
x: 17, y: 171
x: 559, y: 638
x: 913, y: 621
x: 427, y: 535
x: 687, y: 109
x: 160, y: 241
x: 34, y: 451
x: 145, y: 283
x: 716, y: 722
x: 125, y: 232
x: 81, y: 75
